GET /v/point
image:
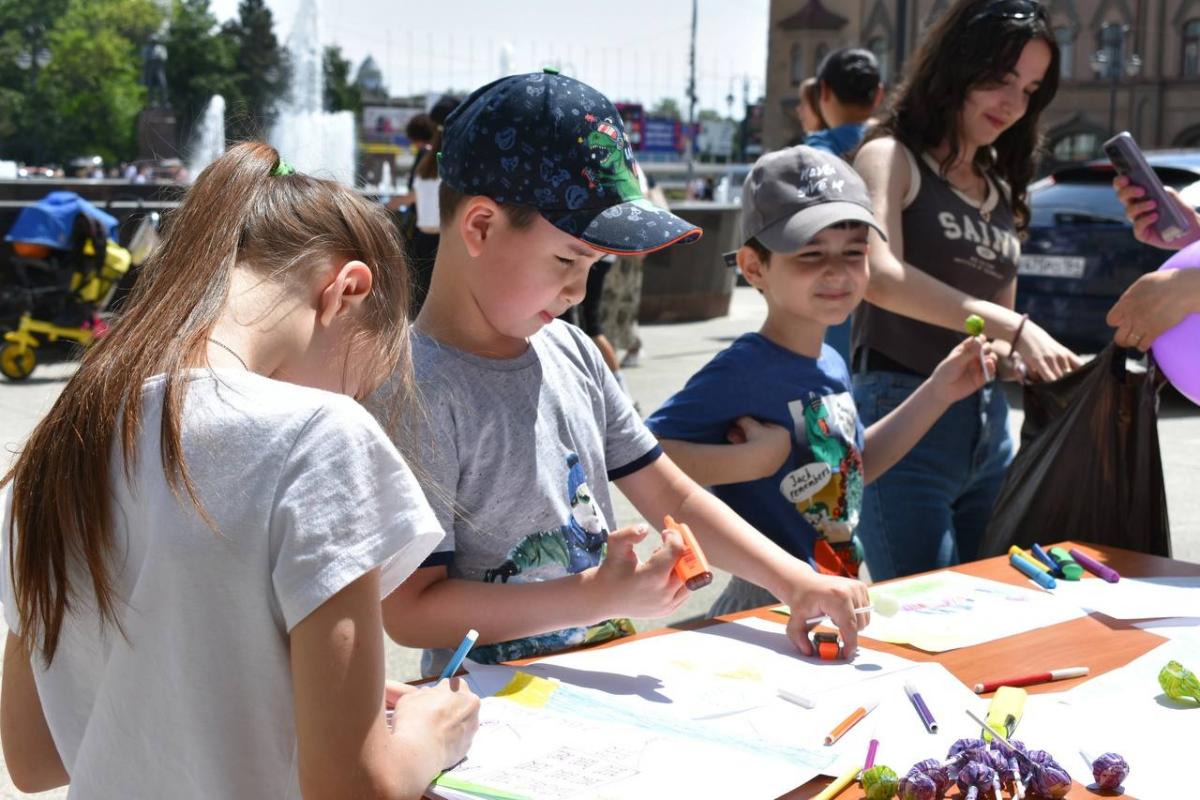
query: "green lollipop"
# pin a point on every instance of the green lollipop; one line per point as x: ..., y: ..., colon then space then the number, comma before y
x: 880, y: 783
x: 1179, y: 682
x: 974, y: 327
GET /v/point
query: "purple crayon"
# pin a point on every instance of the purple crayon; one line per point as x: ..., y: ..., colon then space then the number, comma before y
x: 1095, y: 567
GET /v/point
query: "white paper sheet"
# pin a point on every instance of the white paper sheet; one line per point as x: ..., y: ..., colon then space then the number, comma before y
x: 1134, y: 598
x: 903, y: 739
x: 1172, y: 628
x: 727, y: 675
x: 1124, y: 711
x: 714, y: 671
x: 576, y: 744
x: 948, y: 610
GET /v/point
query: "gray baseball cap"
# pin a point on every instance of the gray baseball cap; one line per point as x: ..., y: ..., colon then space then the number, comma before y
x: 791, y: 195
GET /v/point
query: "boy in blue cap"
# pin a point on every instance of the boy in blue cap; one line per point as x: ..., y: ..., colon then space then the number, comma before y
x: 523, y: 426
x: 769, y: 423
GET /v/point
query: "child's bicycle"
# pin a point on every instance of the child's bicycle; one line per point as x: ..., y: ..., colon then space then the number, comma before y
x: 65, y: 266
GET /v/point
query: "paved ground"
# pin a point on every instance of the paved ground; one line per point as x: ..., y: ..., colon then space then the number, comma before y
x: 671, y: 354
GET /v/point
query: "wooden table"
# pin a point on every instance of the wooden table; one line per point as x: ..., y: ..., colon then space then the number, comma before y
x: 1100, y: 642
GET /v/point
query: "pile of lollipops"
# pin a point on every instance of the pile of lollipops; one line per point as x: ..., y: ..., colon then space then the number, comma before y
x: 982, y: 770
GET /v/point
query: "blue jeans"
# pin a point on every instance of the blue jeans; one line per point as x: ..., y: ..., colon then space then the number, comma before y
x: 930, y: 509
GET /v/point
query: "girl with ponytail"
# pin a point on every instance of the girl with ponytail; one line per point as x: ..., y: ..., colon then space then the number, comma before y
x: 197, y: 537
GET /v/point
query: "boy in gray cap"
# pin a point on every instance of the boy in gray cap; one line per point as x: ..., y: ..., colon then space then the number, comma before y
x: 770, y: 423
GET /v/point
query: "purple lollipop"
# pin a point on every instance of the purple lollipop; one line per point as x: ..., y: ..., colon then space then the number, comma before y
x: 965, y: 744
x: 916, y: 785
x: 1014, y: 771
x: 1040, y: 757
x: 975, y: 779
x: 1049, y: 779
x: 1110, y: 771
x: 998, y: 764
x: 960, y: 753
x: 938, y: 772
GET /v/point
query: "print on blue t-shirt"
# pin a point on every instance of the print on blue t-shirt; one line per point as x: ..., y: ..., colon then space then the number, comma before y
x: 810, y: 506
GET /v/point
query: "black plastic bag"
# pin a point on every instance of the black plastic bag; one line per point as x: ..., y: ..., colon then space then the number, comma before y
x: 1089, y: 467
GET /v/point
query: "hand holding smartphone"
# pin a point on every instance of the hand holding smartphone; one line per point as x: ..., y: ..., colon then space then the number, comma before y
x: 1127, y: 159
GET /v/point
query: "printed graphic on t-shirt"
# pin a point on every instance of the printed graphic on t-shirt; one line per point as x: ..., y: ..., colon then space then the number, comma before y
x: 827, y: 487
x: 994, y: 246
x: 578, y: 544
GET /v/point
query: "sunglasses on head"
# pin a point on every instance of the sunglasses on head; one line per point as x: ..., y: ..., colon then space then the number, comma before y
x: 1017, y: 10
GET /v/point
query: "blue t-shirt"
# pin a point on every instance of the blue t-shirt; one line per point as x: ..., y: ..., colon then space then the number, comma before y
x: 840, y: 140
x: 816, y: 495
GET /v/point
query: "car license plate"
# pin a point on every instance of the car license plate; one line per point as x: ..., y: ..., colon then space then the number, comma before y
x: 1052, y: 266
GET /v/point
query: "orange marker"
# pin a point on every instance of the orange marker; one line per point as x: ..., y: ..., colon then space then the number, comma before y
x: 692, y: 567
x: 850, y: 721
x: 827, y: 645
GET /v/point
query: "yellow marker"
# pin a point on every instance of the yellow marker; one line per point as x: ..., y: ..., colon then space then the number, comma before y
x: 1005, y: 711
x: 1016, y: 551
x: 845, y: 779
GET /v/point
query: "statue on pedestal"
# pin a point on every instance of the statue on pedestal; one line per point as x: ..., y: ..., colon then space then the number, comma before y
x: 154, y: 73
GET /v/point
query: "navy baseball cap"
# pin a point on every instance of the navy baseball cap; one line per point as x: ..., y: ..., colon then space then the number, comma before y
x: 553, y: 143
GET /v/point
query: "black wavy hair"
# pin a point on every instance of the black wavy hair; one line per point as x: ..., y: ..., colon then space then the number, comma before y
x: 852, y: 74
x: 975, y: 44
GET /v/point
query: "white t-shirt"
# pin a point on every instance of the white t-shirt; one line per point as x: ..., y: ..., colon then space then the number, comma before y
x: 428, y: 210
x: 308, y: 494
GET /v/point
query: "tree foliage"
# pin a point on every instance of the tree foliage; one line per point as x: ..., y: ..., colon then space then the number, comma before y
x: 666, y: 107
x: 340, y: 93
x: 85, y: 98
x: 200, y: 63
x: 261, y: 70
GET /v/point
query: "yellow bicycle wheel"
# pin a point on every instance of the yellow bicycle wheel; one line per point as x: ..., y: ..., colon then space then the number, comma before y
x: 16, y: 362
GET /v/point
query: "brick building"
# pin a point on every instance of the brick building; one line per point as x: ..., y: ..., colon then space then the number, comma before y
x: 1134, y: 62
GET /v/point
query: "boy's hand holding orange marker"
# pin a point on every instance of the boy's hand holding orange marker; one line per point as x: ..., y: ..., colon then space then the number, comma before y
x: 692, y: 567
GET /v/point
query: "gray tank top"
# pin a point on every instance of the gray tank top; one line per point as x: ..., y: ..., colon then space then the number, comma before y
x: 961, y: 244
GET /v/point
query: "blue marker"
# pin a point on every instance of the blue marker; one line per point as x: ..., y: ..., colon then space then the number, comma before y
x: 1045, y: 558
x: 1043, y: 579
x: 460, y: 654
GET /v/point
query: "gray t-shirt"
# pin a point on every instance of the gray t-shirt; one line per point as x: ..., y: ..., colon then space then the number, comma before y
x: 515, y: 458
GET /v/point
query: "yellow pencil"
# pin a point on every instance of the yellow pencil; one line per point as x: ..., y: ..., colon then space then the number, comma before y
x: 834, y: 789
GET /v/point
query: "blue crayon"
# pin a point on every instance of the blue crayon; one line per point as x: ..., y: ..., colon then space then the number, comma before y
x: 1044, y: 557
x: 1043, y: 579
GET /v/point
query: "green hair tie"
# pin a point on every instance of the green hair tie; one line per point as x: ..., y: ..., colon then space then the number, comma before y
x: 282, y: 168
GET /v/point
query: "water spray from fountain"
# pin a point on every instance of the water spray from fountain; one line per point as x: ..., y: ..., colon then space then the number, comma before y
x: 208, y: 141
x: 386, y: 186
x: 307, y: 137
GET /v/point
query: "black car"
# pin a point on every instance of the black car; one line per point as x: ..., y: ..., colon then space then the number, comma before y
x: 1080, y: 254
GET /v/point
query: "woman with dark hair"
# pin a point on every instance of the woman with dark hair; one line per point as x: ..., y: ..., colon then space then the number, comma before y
x: 808, y: 110
x: 423, y: 235
x: 948, y: 168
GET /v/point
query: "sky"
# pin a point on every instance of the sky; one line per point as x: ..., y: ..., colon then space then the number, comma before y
x: 634, y: 52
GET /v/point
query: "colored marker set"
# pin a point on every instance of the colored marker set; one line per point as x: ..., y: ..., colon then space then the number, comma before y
x: 1045, y: 568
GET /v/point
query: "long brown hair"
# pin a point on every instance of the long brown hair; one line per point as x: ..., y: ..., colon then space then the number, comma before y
x: 239, y: 212
x: 975, y: 43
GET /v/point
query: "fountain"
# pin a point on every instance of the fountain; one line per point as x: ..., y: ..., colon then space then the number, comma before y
x: 307, y: 137
x: 385, y: 178
x: 208, y: 140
